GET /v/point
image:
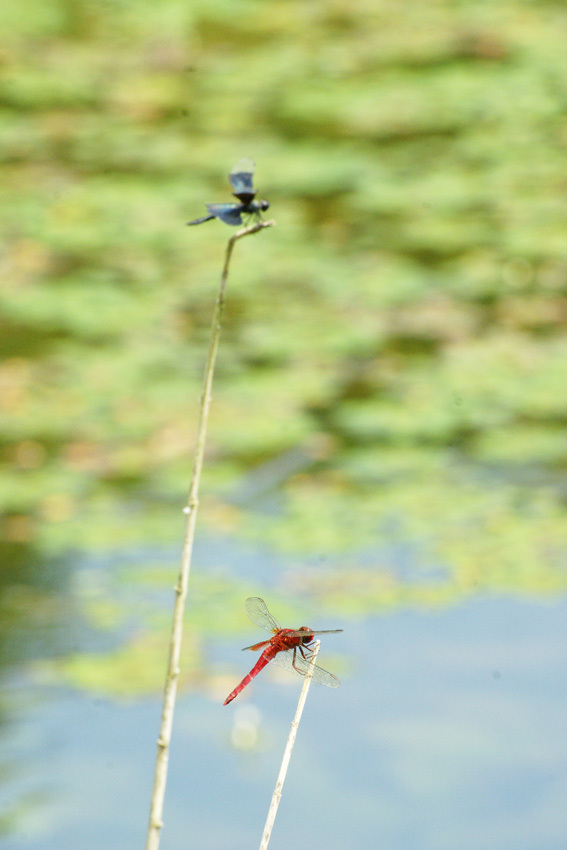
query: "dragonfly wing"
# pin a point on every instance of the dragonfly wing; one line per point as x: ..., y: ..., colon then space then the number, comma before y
x: 256, y: 646
x: 257, y: 611
x: 229, y: 213
x: 308, y: 631
x: 241, y: 178
x: 301, y: 665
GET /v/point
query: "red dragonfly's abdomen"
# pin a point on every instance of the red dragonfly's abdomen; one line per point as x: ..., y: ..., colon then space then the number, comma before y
x: 264, y: 659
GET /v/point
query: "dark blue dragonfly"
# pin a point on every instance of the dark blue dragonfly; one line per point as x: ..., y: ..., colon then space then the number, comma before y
x: 241, y: 181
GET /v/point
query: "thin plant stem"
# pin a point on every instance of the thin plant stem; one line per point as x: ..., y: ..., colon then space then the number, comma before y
x: 277, y: 795
x: 190, y: 510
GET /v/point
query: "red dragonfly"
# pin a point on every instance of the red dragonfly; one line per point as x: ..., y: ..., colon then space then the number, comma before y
x: 288, y: 648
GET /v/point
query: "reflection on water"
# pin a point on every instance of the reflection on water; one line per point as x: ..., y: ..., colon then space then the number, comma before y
x: 39, y: 618
x: 448, y: 730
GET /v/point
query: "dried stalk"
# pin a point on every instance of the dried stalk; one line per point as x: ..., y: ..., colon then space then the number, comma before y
x: 170, y: 691
x: 277, y: 795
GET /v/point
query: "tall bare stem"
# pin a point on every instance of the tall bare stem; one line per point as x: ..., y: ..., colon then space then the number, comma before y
x: 170, y: 691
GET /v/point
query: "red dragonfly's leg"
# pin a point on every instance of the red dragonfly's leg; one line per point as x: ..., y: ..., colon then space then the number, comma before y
x: 266, y: 656
x: 302, y: 648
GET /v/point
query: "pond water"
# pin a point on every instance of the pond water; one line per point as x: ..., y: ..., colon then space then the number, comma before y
x: 449, y: 730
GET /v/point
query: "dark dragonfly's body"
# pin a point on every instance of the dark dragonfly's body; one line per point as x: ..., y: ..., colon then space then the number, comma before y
x: 241, y: 181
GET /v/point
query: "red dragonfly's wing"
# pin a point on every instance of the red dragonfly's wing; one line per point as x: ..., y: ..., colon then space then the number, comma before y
x: 258, y: 612
x: 291, y: 634
x: 256, y: 646
x: 301, y: 665
x: 303, y: 632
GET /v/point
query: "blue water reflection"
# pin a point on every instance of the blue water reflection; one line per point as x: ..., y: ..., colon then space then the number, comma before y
x: 449, y: 730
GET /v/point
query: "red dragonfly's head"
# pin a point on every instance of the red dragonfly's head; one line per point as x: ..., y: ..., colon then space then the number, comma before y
x: 309, y: 636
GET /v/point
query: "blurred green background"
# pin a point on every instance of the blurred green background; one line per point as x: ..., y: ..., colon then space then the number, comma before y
x: 393, y: 361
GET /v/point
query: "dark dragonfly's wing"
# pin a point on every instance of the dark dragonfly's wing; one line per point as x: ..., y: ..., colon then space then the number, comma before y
x: 229, y: 213
x: 201, y: 220
x: 241, y: 180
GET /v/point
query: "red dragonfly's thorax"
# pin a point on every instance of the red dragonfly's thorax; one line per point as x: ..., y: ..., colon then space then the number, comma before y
x: 288, y: 638
x: 293, y: 641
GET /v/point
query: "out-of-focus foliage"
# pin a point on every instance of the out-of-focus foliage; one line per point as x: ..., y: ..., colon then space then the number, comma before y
x: 393, y: 361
